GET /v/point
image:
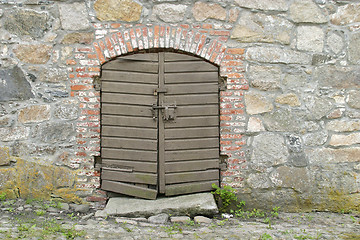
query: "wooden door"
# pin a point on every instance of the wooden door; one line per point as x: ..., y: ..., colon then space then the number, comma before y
x: 160, y: 125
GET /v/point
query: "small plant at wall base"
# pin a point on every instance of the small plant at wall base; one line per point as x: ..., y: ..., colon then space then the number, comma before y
x: 226, y: 198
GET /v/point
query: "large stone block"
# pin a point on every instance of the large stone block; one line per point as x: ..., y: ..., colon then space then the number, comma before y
x: 26, y: 22
x: 257, y: 27
x: 170, y: 12
x: 330, y: 76
x: 256, y: 103
x: 335, y: 42
x: 277, y: 55
x: 33, y: 114
x: 115, y: 10
x: 55, y: 132
x: 202, y: 11
x: 258, y: 181
x: 282, y: 120
x: 345, y: 140
x: 265, y: 77
x: 315, y: 138
x: 269, y: 150
x: 353, y: 99
x: 74, y: 16
x: 67, y: 110
x: 354, y: 49
x: 343, y: 125
x: 306, y: 11
x: 290, y: 99
x: 4, y: 156
x: 14, y: 133
x: 52, y: 75
x: 272, y: 5
x: 255, y: 125
x: 346, y: 14
x: 330, y: 155
x: 13, y: 85
x: 36, y: 54
x: 318, y: 107
x: 291, y: 177
x: 310, y: 38
x: 78, y: 37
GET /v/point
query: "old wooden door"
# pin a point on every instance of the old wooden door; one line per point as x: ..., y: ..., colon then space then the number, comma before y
x: 160, y: 125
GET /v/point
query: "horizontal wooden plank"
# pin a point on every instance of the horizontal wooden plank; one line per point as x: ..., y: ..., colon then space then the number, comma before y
x: 153, y: 57
x: 190, y: 66
x: 193, y: 122
x: 183, y: 177
x: 192, y: 77
x: 131, y: 66
x: 136, y: 166
x: 189, y: 166
x: 128, y: 154
x: 133, y: 177
x: 192, y: 99
x: 189, y: 155
x: 128, y: 121
x: 185, y: 188
x: 200, y: 110
x: 126, y: 109
x: 192, y: 88
x: 142, y: 133
x: 128, y: 99
x: 176, y: 57
x: 196, y: 143
x: 129, y: 189
x: 134, y: 88
x: 177, y: 133
x: 129, y: 143
x: 112, y: 75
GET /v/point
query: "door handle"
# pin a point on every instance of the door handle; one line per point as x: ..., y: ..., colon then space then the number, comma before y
x: 168, y: 111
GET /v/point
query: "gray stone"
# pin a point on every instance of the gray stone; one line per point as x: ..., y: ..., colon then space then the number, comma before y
x: 52, y: 75
x: 101, y: 214
x: 344, y: 140
x: 331, y: 76
x: 52, y: 210
x: 318, y: 107
x: 26, y: 22
x: 319, y: 59
x: 281, y: 120
x: 269, y: 149
x: 66, y: 110
x: 35, y: 54
x: 277, y: 55
x: 310, y: 38
x: 258, y: 181
x: 329, y: 155
x: 13, y: 85
x: 295, y: 80
x: 5, y: 121
x: 306, y: 11
x: 354, y: 49
x: 170, y: 12
x: 255, y: 125
x: 290, y: 99
x: 353, y: 99
x: 126, y: 221
x: 82, y: 208
x: 272, y: 5
x: 335, y: 42
x: 14, y: 133
x: 265, y: 77
x: 290, y: 177
x: 257, y: 27
x: 256, y: 103
x: 78, y: 37
x: 180, y: 219
x: 4, y: 156
x: 159, y: 218
x: 353, y: 113
x: 65, y: 206
x: 202, y: 11
x: 298, y: 159
x: 192, y: 204
x: 343, y: 125
x: 73, y: 16
x: 315, y: 138
x: 294, y: 143
x: 202, y: 219
x: 55, y: 132
x: 349, y: 13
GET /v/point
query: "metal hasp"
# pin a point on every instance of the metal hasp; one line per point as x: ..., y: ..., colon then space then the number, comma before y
x: 168, y: 111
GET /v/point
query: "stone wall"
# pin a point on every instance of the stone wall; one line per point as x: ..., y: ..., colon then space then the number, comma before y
x: 290, y: 116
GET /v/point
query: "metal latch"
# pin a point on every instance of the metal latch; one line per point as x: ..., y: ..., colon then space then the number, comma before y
x: 168, y: 111
x: 159, y: 90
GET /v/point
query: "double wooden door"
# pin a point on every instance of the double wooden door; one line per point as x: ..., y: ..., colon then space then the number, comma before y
x: 159, y: 125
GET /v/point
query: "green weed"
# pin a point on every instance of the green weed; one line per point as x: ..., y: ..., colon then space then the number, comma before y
x: 2, y: 196
x: 265, y: 236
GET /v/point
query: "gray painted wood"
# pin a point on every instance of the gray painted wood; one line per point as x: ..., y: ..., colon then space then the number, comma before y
x: 140, y: 166
x: 196, y: 165
x: 129, y: 154
x: 129, y: 77
x: 129, y: 177
x: 126, y: 110
x: 129, y: 132
x: 185, y: 133
x: 129, y: 189
x: 192, y: 77
x: 192, y: 176
x: 184, y: 188
x: 187, y: 155
x: 129, y: 143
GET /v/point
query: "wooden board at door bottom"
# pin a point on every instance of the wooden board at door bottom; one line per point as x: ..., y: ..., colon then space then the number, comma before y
x: 129, y: 189
x: 185, y: 188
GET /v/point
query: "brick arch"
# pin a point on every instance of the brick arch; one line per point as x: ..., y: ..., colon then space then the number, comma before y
x: 113, y: 40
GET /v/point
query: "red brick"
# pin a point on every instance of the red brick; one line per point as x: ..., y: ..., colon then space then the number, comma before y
x: 99, y: 53
x: 225, y: 118
x: 232, y: 111
x: 80, y: 87
x: 115, y: 25
x: 220, y: 33
x: 207, y: 26
x: 70, y: 62
x: 235, y: 51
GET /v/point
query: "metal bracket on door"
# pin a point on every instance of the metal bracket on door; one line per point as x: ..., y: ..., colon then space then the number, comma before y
x: 168, y: 111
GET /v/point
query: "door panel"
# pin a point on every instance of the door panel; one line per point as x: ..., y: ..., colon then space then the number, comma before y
x: 160, y: 125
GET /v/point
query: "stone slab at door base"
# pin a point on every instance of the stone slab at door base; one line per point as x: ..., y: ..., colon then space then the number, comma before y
x: 192, y: 204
